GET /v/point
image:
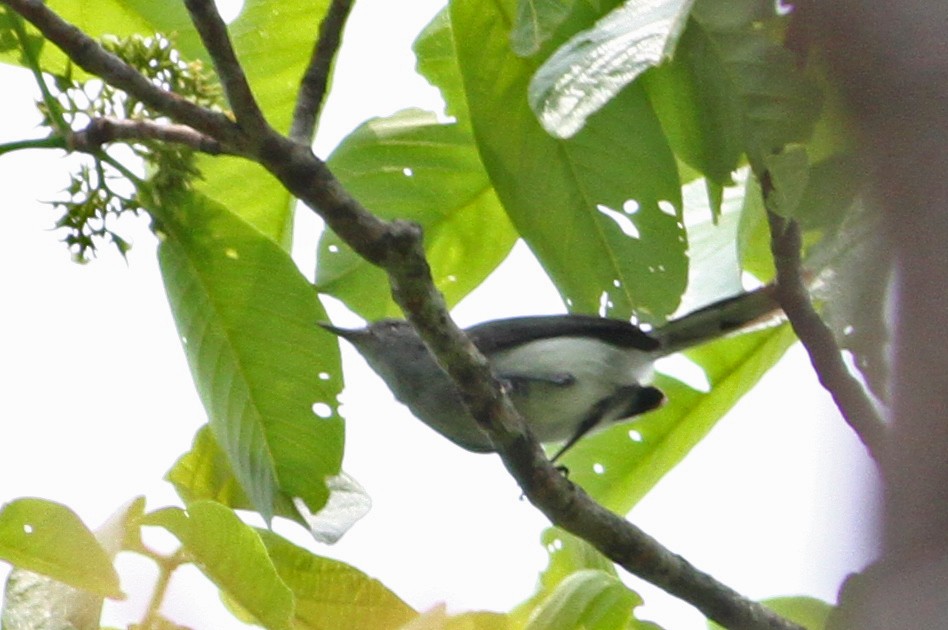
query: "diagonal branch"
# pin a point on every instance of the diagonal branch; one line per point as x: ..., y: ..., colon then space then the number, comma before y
x: 213, y: 31
x: 817, y: 338
x: 315, y: 80
x: 91, y: 57
x: 397, y: 248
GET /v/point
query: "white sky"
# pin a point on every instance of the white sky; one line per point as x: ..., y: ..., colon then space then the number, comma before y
x: 97, y: 403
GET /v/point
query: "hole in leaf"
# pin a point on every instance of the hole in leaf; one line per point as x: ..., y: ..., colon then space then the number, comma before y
x: 668, y: 208
x: 682, y: 368
x: 625, y: 223
x: 322, y: 410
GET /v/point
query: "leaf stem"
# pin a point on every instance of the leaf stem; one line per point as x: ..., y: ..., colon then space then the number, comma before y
x: 51, y: 142
x: 167, y: 565
x: 55, y: 110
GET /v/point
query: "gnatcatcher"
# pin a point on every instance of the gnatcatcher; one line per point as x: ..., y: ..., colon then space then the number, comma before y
x: 567, y: 375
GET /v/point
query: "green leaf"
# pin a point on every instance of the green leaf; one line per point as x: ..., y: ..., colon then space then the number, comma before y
x: 753, y: 234
x: 267, y: 376
x: 620, y: 465
x: 437, y: 618
x: 809, y: 612
x: 693, y: 100
x: 732, y: 88
x: 832, y: 185
x: 595, y: 65
x: 113, y: 17
x: 437, y: 61
x: 232, y: 556
x: 331, y: 595
x: 590, y: 599
x: 829, y: 190
x: 775, y: 102
x: 48, y: 538
x: 411, y: 166
x: 204, y: 473
x: 789, y: 172
x: 588, y: 206
x: 536, y: 24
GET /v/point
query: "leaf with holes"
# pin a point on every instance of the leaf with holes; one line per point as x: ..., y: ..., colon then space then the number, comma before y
x: 411, y: 166
x: 268, y: 377
x: 602, y: 210
x: 48, y: 538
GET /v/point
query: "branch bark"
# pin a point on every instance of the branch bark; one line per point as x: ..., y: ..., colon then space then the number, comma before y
x: 105, y: 130
x: 848, y: 394
x: 312, y: 94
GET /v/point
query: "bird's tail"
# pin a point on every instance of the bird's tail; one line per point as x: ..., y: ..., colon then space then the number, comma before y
x: 718, y: 319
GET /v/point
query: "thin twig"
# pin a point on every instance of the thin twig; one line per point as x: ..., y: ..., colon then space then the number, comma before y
x: 91, y: 57
x: 848, y: 394
x: 213, y: 31
x: 104, y: 130
x: 315, y: 80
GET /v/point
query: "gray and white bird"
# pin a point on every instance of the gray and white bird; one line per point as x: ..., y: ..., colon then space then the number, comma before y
x: 567, y: 375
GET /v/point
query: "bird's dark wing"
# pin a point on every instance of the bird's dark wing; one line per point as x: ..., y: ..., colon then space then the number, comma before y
x: 501, y: 334
x: 626, y: 402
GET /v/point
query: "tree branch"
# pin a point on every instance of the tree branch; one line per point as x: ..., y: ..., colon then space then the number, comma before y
x: 315, y: 80
x: 815, y: 335
x: 91, y: 57
x: 397, y: 247
x: 213, y: 31
x: 104, y: 130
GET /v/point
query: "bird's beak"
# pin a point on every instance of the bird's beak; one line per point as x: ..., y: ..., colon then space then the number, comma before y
x: 345, y: 333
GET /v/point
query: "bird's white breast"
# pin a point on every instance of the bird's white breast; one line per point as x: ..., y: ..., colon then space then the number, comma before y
x: 596, y: 370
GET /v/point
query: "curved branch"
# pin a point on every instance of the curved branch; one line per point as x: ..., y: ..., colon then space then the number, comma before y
x: 315, y: 80
x: 91, y: 57
x: 815, y: 335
